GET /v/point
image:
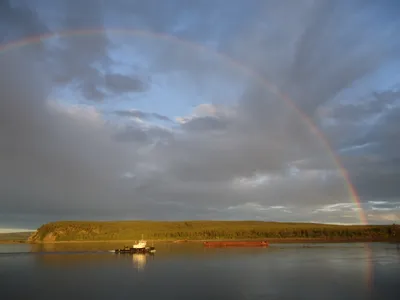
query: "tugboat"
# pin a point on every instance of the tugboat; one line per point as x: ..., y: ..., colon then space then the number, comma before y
x: 139, y: 247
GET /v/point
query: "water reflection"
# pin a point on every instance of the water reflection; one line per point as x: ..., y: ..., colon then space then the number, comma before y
x: 139, y: 261
x: 369, y: 268
x: 74, y: 247
x: 89, y: 271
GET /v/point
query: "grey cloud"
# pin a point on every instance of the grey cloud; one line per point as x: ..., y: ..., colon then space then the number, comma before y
x: 363, y: 125
x: 138, y: 134
x: 122, y: 83
x: 85, y: 58
x: 378, y: 183
x: 386, y: 129
x: 21, y: 20
x: 205, y: 123
x: 388, y: 97
x: 75, y: 56
x: 376, y: 167
x: 326, y: 47
x: 161, y: 117
x: 142, y: 115
x: 359, y: 112
x: 92, y: 92
x: 56, y: 156
x: 131, y: 134
x: 132, y: 113
x: 194, y: 20
x: 237, y: 151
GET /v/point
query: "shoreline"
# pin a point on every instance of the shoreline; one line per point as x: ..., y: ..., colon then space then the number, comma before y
x: 269, y: 240
x: 13, y: 242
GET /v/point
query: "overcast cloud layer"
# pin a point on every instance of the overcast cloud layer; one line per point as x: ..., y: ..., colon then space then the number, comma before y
x: 124, y: 126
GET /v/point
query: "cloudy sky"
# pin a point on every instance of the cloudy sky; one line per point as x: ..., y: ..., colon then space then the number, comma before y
x: 173, y: 110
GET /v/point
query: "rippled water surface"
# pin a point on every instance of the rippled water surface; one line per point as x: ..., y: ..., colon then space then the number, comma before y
x: 189, y: 271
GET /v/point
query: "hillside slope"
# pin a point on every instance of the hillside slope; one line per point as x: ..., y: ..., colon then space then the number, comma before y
x: 201, y: 230
x: 15, y: 236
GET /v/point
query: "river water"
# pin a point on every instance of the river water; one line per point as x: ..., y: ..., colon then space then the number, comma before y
x: 189, y: 271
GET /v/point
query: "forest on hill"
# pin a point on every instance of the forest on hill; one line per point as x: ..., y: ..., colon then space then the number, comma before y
x: 207, y: 230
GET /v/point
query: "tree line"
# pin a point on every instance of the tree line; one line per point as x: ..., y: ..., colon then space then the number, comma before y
x: 66, y: 231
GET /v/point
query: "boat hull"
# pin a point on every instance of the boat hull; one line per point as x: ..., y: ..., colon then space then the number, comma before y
x: 135, y: 250
x: 236, y: 244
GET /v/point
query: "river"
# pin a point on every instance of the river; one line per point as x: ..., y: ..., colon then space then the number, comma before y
x: 189, y: 271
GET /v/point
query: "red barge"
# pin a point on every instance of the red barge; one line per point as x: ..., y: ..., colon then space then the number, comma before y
x: 236, y: 244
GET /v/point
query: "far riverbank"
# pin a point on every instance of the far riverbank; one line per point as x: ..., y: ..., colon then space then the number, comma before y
x: 269, y: 240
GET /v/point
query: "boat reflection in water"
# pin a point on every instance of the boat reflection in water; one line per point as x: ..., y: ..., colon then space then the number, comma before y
x: 139, y: 261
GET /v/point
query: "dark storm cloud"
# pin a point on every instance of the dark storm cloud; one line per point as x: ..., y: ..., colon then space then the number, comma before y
x: 257, y: 159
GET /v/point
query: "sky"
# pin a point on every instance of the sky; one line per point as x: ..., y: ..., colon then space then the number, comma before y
x: 185, y: 110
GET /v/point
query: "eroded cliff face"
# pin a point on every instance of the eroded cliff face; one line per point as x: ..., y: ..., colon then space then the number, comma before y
x: 34, y: 237
x: 43, y: 234
x: 63, y: 231
x: 50, y: 237
x: 38, y: 237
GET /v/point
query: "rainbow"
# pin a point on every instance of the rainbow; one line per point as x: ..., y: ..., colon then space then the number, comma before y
x: 236, y: 64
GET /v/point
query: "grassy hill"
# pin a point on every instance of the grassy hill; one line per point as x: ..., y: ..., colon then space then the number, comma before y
x: 206, y: 230
x: 15, y: 237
